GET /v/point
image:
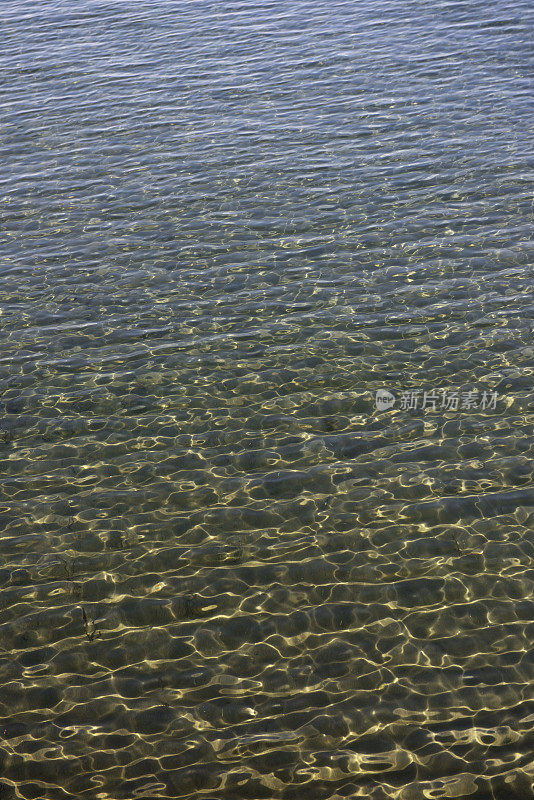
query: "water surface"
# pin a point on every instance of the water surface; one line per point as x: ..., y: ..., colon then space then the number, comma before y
x: 224, y: 573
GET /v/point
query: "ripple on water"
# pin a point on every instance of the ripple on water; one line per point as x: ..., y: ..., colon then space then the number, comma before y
x: 224, y: 573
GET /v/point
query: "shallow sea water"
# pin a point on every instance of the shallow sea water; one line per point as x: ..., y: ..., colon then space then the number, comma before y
x: 224, y: 573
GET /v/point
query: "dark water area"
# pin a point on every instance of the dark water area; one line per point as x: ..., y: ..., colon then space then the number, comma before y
x: 227, y: 570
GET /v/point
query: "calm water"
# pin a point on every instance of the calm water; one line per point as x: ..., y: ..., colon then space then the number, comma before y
x: 225, y: 574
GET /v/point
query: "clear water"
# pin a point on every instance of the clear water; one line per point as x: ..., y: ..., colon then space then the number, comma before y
x: 224, y: 573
